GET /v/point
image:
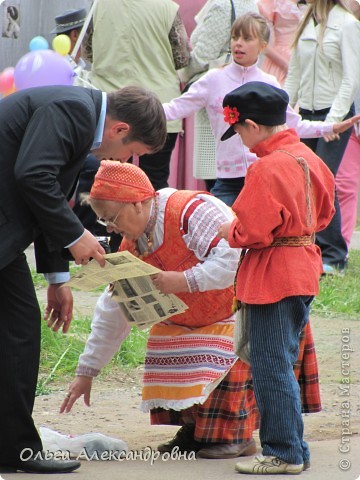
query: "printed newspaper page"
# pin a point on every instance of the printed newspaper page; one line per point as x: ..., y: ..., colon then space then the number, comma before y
x: 132, y: 288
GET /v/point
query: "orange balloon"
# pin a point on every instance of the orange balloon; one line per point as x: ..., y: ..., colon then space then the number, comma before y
x: 6, y: 79
x: 10, y: 91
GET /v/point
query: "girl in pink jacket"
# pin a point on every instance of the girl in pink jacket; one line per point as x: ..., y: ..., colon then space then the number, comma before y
x: 249, y: 37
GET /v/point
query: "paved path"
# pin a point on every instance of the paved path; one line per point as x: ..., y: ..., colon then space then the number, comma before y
x: 324, y: 466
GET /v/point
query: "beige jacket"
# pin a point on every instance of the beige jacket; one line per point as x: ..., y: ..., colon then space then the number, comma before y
x: 131, y: 46
x: 328, y: 74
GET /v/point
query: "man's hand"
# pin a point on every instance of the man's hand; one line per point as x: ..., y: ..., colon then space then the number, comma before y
x: 223, y: 230
x: 81, y: 385
x: 58, y: 311
x: 87, y: 247
x: 170, y: 282
x: 341, y: 127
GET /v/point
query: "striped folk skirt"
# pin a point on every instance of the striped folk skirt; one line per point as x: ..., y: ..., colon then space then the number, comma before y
x: 193, y: 377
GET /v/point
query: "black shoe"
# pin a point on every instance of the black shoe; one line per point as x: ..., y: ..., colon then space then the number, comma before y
x: 41, y: 465
x: 184, y: 440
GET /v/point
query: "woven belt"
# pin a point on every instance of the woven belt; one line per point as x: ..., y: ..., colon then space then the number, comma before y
x: 303, y: 241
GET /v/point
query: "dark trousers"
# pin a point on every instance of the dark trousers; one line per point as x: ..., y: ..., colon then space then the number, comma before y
x: 209, y: 184
x: 274, y: 348
x: 330, y: 240
x: 228, y: 189
x: 157, y: 165
x: 19, y: 360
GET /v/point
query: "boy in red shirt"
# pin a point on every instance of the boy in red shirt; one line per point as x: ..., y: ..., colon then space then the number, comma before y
x: 287, y: 197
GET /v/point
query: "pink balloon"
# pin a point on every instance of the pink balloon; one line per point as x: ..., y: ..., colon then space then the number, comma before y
x: 42, y: 67
x: 6, y: 79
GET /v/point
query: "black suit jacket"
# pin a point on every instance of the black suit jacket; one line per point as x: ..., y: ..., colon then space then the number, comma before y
x: 45, y: 135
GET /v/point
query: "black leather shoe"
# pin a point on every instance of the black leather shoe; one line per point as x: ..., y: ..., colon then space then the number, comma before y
x: 41, y: 465
x: 184, y: 440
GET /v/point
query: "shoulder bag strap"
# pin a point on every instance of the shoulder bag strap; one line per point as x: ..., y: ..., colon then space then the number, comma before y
x: 228, y: 55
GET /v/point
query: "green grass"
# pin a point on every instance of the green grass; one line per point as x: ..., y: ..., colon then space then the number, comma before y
x: 340, y: 295
x: 39, y: 280
x: 60, y: 353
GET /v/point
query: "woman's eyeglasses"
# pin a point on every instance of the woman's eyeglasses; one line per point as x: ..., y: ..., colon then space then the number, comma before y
x: 108, y: 223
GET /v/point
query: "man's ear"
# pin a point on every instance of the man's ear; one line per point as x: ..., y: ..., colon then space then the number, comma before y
x: 119, y: 128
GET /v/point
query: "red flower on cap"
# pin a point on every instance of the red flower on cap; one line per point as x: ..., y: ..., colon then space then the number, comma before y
x: 231, y: 115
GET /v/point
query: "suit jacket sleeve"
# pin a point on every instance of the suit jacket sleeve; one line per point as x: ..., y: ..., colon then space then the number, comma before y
x: 55, y: 144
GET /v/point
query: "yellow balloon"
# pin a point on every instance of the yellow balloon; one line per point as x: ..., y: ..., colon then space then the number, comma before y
x: 61, y: 44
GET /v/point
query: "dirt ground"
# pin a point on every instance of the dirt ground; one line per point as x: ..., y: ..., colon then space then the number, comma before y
x: 114, y: 403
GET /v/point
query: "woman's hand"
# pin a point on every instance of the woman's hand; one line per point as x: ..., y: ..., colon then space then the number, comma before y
x: 81, y: 385
x: 341, y: 127
x: 170, y: 282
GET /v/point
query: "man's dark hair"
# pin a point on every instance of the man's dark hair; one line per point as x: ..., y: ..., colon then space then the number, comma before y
x: 143, y: 111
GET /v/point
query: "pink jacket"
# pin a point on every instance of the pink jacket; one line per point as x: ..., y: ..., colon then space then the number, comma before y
x: 232, y: 157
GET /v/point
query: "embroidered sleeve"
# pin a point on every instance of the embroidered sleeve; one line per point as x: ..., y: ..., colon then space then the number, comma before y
x: 202, y: 226
x: 179, y: 43
x: 191, y: 281
x: 87, y: 371
x: 217, y: 262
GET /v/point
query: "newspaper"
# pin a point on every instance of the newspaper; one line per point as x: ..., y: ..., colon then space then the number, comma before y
x: 131, y: 287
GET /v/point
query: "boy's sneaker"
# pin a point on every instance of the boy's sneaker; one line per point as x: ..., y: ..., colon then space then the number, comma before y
x: 268, y: 466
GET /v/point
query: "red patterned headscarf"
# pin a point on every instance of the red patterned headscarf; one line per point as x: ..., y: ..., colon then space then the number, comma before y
x: 121, y: 182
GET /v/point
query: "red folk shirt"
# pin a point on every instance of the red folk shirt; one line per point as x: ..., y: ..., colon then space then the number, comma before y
x: 273, y: 204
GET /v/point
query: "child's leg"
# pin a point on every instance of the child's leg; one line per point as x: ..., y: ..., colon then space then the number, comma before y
x: 274, y: 347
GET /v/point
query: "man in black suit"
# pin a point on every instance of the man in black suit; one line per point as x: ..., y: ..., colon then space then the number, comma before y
x: 45, y: 136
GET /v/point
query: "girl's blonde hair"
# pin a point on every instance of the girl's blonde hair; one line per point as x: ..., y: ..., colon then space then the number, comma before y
x: 320, y: 10
x: 251, y: 24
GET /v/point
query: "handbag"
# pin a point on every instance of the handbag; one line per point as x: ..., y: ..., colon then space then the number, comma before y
x: 223, y: 60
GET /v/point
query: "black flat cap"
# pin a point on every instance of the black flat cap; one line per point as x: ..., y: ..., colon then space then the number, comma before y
x: 258, y: 101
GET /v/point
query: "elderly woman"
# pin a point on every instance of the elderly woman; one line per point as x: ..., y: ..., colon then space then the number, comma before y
x: 192, y: 378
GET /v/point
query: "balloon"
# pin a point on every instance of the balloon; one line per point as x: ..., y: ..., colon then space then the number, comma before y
x: 61, y: 44
x: 42, y: 67
x: 10, y: 91
x: 38, y: 43
x: 6, y: 79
